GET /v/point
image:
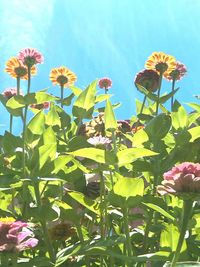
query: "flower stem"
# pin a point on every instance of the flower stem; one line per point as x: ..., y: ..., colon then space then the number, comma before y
x: 127, y: 233
x: 18, y: 85
x: 172, y: 98
x: 4, y: 260
x: 11, y: 122
x: 187, y: 210
x: 159, y: 88
x: 61, y: 95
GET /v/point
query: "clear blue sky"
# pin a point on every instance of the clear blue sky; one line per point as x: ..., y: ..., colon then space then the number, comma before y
x: 97, y: 38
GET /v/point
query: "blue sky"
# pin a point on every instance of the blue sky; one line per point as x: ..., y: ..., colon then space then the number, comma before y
x: 97, y: 38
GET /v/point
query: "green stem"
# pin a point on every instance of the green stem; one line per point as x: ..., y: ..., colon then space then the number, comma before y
x: 127, y: 233
x: 61, y: 95
x: 18, y: 85
x: 159, y: 88
x: 79, y: 125
x: 11, y: 122
x: 115, y: 148
x: 106, y: 91
x: 187, y: 210
x: 43, y: 222
x: 141, y: 110
x: 4, y: 260
x: 172, y: 98
x: 101, y: 205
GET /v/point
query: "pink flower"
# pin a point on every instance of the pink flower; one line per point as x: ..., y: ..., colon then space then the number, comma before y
x: 10, y: 92
x: 183, y: 178
x: 30, y: 56
x: 149, y: 79
x: 178, y: 73
x: 105, y: 83
x: 15, y: 236
x: 44, y: 105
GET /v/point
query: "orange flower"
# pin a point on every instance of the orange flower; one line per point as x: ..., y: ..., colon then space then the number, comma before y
x: 161, y: 62
x: 62, y: 76
x: 17, y: 69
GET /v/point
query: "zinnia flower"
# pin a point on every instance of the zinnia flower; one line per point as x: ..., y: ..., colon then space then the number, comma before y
x: 30, y: 56
x: 105, y: 83
x: 161, y: 62
x: 62, y: 76
x: 41, y: 106
x: 10, y: 92
x: 15, y: 236
x: 99, y: 141
x: 17, y: 69
x: 177, y: 73
x: 183, y: 178
x: 149, y: 79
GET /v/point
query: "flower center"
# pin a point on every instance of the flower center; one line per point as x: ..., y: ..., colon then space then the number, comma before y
x: 62, y: 79
x: 29, y: 61
x: 20, y: 71
x: 161, y: 67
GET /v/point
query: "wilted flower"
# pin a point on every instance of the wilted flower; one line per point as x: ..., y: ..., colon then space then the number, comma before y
x: 105, y: 83
x: 99, y: 141
x: 15, y: 236
x: 30, y: 56
x: 41, y: 106
x: 124, y: 126
x: 177, y: 73
x: 149, y: 79
x: 61, y: 231
x: 161, y: 62
x: 10, y: 92
x: 62, y: 76
x: 17, y: 69
x: 183, y: 178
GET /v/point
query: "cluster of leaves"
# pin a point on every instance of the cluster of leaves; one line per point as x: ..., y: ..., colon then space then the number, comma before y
x: 126, y: 223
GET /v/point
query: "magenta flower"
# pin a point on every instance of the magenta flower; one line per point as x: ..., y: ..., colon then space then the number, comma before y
x: 41, y: 106
x: 10, y: 92
x: 183, y: 178
x: 149, y: 79
x: 15, y: 236
x: 30, y: 56
x: 178, y: 73
x: 105, y: 83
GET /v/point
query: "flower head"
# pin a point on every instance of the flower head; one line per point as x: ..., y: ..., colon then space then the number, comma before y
x: 41, y: 106
x: 99, y: 141
x: 10, y: 92
x: 105, y: 83
x: 62, y: 76
x: 30, y: 56
x: 149, y: 79
x: 17, y: 69
x: 178, y: 73
x: 15, y: 236
x: 183, y: 178
x: 161, y: 62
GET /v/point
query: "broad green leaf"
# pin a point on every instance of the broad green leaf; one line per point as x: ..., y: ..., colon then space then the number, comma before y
x: 96, y: 154
x: 11, y: 142
x: 101, y: 98
x: 52, y: 117
x: 84, y: 105
x: 85, y: 201
x: 38, y: 98
x: 102, y: 109
x: 179, y: 116
x: 15, y: 112
x: 60, y: 163
x: 67, y: 100
x: 195, y: 106
x: 139, y: 138
x: 131, y: 154
x: 195, y: 133
x: 16, y: 102
x: 160, y: 210
x: 129, y: 187
x: 36, y: 125
x: 110, y: 120
x: 76, y: 91
x: 49, y: 136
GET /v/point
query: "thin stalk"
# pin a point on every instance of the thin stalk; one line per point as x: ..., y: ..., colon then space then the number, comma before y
x: 159, y: 88
x: 106, y: 90
x: 101, y: 206
x: 187, y: 210
x: 141, y: 110
x: 43, y: 223
x: 61, y: 95
x: 18, y: 85
x: 172, y: 98
x: 127, y: 233
x: 43, y: 189
x: 11, y: 122
x: 115, y: 148
x: 79, y: 125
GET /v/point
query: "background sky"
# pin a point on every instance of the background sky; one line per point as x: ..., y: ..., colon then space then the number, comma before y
x: 97, y: 38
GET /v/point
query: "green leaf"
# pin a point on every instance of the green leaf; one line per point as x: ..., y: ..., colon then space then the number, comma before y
x: 179, y: 116
x: 139, y: 138
x: 96, y: 154
x: 85, y: 201
x: 129, y: 187
x: 38, y: 98
x: 84, y: 104
x: 101, y: 98
x: 11, y: 142
x: 194, y: 106
x: 76, y: 91
x: 67, y: 100
x: 130, y: 154
x: 36, y: 125
x: 52, y: 117
x: 16, y: 102
x: 160, y: 210
x: 195, y: 133
x: 110, y: 120
x: 15, y: 112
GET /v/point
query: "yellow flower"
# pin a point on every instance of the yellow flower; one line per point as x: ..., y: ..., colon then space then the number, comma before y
x: 17, y: 69
x: 161, y: 62
x: 7, y: 220
x: 62, y: 76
